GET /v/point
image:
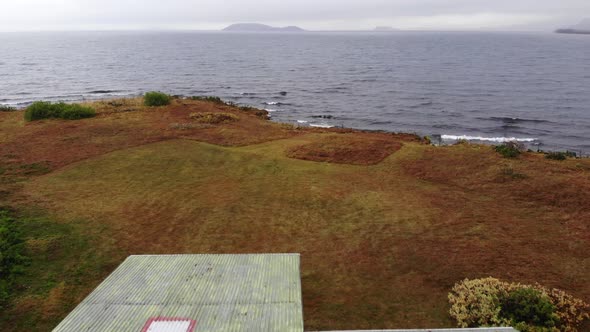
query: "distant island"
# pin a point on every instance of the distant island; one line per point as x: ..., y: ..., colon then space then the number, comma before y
x: 583, y: 28
x: 384, y: 28
x: 257, y: 27
x: 573, y: 31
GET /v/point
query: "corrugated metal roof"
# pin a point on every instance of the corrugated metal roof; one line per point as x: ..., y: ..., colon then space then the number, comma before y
x: 221, y: 292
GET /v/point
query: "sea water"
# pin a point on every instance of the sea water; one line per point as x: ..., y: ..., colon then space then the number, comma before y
x: 480, y: 86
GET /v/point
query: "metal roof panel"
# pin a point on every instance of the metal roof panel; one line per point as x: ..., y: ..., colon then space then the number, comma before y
x: 260, y: 292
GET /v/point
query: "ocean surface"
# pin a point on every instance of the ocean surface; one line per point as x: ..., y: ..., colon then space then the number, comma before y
x: 533, y: 87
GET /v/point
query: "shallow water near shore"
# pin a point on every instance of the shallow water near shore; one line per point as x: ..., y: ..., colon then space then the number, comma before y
x: 486, y: 87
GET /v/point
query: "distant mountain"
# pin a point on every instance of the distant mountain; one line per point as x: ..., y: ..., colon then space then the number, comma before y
x: 257, y: 27
x: 573, y: 31
x: 583, y: 28
x: 385, y: 29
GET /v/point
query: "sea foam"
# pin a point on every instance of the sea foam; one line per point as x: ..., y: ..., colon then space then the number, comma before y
x: 321, y: 125
x: 487, y: 139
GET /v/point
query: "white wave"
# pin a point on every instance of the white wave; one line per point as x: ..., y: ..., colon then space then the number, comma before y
x: 301, y: 121
x: 487, y: 139
x: 270, y: 110
x: 321, y: 125
x: 272, y: 103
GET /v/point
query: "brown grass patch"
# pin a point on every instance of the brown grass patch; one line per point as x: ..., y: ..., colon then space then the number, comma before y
x: 353, y: 149
x: 528, y: 224
x: 125, y: 123
x: 381, y: 245
x: 214, y: 118
x: 120, y: 105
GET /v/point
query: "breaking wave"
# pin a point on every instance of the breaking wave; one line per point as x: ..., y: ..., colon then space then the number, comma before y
x: 486, y: 139
x: 274, y: 103
x: 320, y: 125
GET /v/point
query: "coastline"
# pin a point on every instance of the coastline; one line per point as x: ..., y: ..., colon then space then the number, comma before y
x: 532, y: 144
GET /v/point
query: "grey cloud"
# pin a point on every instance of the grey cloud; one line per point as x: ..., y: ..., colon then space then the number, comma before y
x: 312, y: 12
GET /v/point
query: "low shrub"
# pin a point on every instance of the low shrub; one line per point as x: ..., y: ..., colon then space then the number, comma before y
x: 476, y: 303
x: 76, y: 112
x: 491, y: 302
x: 12, y: 257
x: 509, y: 149
x: 255, y: 111
x: 214, y: 118
x: 6, y: 108
x: 211, y: 99
x: 556, y: 156
x: 560, y: 155
x: 528, y: 307
x: 570, y: 311
x: 156, y: 98
x: 45, y: 110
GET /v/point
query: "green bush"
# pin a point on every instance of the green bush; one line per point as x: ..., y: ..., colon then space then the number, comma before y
x: 6, y: 108
x: 40, y: 110
x: 76, y: 112
x: 11, y: 254
x: 156, y: 98
x: 529, y: 306
x: 556, y: 156
x: 45, y: 110
x: 509, y: 150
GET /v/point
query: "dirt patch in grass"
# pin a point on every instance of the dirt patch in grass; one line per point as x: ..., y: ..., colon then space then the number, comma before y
x: 352, y: 148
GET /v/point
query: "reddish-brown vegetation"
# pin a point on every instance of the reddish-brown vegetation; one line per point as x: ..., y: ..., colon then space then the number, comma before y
x: 124, y: 124
x: 381, y: 245
x: 353, y: 148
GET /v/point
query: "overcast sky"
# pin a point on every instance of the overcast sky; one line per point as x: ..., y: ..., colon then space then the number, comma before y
x: 18, y: 15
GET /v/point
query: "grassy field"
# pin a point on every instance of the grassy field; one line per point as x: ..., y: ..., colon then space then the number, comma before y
x: 385, y: 224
